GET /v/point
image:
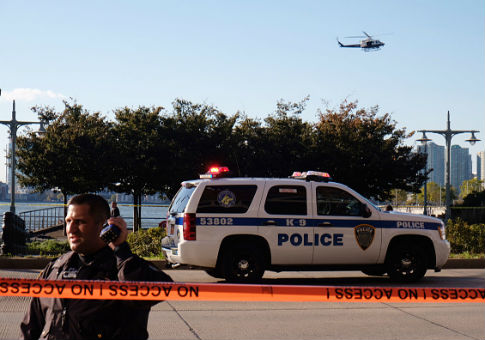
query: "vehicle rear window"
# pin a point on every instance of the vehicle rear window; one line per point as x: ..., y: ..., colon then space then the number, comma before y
x: 181, y: 199
x: 286, y: 200
x: 231, y: 199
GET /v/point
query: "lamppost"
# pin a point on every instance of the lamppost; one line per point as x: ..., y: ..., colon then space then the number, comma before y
x: 424, y: 140
x: 448, y: 134
x: 14, y: 124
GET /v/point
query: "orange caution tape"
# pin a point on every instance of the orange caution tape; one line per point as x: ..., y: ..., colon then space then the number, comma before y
x: 131, y: 290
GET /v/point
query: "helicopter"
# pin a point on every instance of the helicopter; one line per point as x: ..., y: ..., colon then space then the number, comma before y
x: 366, y: 44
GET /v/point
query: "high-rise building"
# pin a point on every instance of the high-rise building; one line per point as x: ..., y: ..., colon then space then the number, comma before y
x: 460, y: 166
x: 436, y: 161
x: 481, y: 166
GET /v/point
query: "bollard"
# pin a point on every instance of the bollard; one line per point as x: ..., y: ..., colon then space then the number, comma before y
x: 13, y: 236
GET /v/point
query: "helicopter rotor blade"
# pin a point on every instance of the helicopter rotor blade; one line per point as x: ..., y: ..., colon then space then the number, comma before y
x: 356, y: 36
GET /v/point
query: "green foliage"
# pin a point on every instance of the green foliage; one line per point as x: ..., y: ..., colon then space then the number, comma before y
x: 434, y: 193
x: 465, y: 238
x: 470, y: 186
x: 148, y: 150
x: 475, y: 199
x: 147, y: 242
x: 140, y: 150
x: 365, y: 151
x: 398, y: 197
x: 48, y: 247
x: 72, y: 155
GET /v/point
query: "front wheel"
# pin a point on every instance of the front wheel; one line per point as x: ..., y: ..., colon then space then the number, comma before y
x: 243, y: 264
x: 406, y: 263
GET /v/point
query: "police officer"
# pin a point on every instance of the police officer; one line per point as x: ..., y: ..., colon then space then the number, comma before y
x: 92, y: 259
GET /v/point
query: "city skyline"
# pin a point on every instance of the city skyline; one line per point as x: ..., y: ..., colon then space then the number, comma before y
x: 460, y: 164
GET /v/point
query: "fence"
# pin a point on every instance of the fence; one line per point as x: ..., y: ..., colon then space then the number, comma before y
x: 472, y: 215
x: 49, y: 218
x: 42, y: 219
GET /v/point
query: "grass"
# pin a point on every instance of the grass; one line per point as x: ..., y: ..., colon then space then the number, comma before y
x: 467, y: 255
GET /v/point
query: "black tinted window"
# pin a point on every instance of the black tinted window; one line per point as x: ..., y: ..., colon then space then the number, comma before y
x: 286, y: 200
x: 226, y: 199
x: 336, y: 202
x: 181, y: 199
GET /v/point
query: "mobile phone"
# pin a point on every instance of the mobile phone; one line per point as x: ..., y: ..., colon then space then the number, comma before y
x: 110, y: 233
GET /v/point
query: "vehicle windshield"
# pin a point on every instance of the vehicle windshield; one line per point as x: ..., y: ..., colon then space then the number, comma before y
x: 366, y: 200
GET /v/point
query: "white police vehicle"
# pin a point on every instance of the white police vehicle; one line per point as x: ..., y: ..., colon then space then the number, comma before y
x: 237, y: 228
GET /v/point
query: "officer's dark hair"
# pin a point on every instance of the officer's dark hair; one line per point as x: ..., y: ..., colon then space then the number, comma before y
x: 98, y: 206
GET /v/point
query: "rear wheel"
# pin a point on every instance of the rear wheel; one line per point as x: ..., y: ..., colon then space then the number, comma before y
x: 406, y: 263
x: 243, y: 264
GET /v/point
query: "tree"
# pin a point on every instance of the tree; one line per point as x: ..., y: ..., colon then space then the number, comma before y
x: 197, y: 136
x: 138, y: 168
x: 276, y: 147
x: 474, y: 199
x: 469, y: 186
x: 366, y: 151
x: 398, y: 196
x: 73, y: 154
x: 434, y: 192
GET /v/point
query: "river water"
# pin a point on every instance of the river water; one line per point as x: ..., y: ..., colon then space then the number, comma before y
x: 152, y: 214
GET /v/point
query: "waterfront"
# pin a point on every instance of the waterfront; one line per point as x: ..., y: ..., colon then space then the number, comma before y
x: 152, y: 214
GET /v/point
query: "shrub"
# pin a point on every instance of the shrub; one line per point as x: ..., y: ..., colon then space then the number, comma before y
x: 465, y: 238
x: 147, y: 242
x: 48, y: 247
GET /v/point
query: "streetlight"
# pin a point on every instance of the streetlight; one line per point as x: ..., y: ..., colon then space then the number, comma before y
x: 424, y: 140
x: 448, y: 134
x: 14, y: 124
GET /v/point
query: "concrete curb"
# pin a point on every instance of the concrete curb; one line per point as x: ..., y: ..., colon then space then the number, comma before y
x: 464, y: 264
x: 41, y: 262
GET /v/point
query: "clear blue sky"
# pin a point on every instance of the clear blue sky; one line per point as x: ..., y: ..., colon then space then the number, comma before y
x: 245, y: 56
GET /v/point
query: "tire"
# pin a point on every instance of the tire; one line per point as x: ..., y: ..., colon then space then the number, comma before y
x: 406, y: 263
x: 243, y: 264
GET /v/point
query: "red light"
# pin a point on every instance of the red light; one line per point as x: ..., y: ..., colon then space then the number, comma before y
x: 218, y: 169
x: 189, y: 229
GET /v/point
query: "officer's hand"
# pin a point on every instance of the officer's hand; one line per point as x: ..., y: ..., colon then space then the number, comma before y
x: 120, y: 223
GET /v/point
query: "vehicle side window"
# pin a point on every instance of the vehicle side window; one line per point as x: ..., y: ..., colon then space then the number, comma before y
x: 337, y: 202
x: 226, y: 199
x: 286, y: 200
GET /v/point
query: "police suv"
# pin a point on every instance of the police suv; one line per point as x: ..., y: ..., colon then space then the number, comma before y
x: 236, y: 228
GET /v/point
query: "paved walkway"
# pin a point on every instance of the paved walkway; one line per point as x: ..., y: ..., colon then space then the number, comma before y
x: 314, y: 320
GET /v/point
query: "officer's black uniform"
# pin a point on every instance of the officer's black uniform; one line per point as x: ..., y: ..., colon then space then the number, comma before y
x: 54, y: 318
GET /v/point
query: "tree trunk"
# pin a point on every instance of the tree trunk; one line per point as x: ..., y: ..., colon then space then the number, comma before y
x: 65, y: 212
x: 135, y: 212
x: 139, y: 212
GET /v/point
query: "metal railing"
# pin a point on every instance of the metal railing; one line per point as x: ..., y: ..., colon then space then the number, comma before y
x: 41, y: 219
x: 44, y: 219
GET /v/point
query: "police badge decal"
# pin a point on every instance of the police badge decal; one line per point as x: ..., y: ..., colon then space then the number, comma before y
x: 226, y: 199
x: 364, y: 234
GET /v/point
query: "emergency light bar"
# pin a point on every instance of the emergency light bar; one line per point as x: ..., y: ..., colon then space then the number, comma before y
x: 311, y: 175
x: 216, y: 171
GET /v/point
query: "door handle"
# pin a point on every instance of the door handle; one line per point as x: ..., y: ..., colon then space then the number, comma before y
x: 269, y: 222
x: 325, y: 224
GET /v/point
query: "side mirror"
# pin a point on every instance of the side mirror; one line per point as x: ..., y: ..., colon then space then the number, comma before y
x: 366, y: 211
